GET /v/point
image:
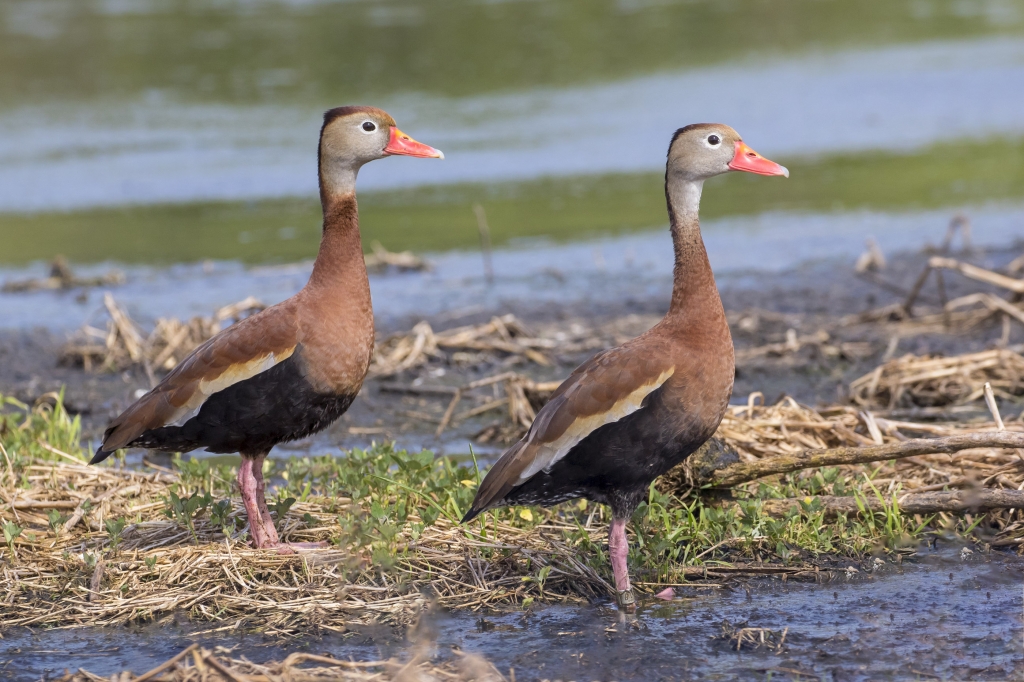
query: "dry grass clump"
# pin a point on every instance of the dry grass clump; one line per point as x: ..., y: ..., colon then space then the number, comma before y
x: 933, y: 381
x: 758, y: 432
x: 105, y: 545
x: 197, y: 664
x: 119, y: 558
x: 503, y: 335
x: 123, y: 343
x: 959, y: 315
x: 380, y: 259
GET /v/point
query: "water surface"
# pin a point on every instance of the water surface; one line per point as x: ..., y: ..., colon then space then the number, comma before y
x: 167, y: 131
x: 938, y: 616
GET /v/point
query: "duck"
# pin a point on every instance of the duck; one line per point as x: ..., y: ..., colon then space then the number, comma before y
x: 632, y: 412
x: 294, y: 368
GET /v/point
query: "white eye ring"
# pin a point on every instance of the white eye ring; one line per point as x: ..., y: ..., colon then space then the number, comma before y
x: 368, y: 127
x: 713, y: 144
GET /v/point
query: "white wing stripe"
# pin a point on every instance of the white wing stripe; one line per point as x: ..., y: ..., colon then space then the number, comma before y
x: 549, y: 453
x: 229, y: 377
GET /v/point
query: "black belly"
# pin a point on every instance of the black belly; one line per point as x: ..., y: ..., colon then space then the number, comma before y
x: 616, y: 463
x: 254, y: 415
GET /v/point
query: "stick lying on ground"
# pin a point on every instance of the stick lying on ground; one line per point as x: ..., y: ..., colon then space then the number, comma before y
x: 977, y: 500
x: 735, y: 474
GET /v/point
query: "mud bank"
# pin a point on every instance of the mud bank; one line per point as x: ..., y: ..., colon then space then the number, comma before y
x: 942, y: 614
x: 763, y: 307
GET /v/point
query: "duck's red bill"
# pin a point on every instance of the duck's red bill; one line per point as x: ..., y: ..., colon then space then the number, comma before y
x: 746, y: 159
x: 400, y: 144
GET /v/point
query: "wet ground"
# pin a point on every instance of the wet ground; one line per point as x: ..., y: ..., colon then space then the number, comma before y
x: 622, y: 282
x: 892, y: 116
x: 940, y: 615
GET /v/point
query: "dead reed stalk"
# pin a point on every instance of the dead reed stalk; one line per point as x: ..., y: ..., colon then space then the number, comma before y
x: 198, y: 664
x: 912, y: 381
x: 124, y: 344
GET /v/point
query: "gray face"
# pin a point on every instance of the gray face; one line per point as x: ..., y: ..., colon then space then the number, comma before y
x: 702, y: 152
x: 355, y: 139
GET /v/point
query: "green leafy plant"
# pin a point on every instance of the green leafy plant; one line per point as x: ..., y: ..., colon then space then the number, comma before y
x: 539, y: 579
x: 281, y: 506
x: 184, y: 510
x: 56, y: 520
x: 220, y: 516
x: 115, y: 527
x: 11, y: 532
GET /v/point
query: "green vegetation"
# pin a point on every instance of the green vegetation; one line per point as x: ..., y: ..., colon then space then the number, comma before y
x: 388, y: 498
x: 392, y: 519
x: 439, y: 218
x: 114, y: 527
x: 184, y: 510
x: 384, y: 499
x: 44, y: 432
x: 339, y: 52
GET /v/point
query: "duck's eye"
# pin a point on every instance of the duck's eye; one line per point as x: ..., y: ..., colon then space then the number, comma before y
x: 714, y: 140
x: 369, y: 126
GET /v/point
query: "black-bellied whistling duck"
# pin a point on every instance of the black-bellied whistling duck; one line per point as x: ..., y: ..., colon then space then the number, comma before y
x: 292, y: 369
x: 631, y: 413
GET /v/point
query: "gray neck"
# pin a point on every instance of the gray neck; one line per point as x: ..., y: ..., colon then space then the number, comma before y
x: 337, y: 174
x: 337, y: 179
x: 683, y: 199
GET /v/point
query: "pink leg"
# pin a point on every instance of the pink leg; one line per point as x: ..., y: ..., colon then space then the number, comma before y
x: 618, y: 548
x: 261, y: 524
x: 250, y: 482
x: 257, y: 472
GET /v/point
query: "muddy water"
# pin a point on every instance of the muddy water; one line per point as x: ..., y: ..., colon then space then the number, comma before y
x: 939, y: 615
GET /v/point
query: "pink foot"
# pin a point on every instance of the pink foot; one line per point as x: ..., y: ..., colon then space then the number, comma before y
x: 668, y: 594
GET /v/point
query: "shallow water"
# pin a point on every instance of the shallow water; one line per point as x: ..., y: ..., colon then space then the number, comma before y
x: 612, y: 271
x: 161, y: 103
x: 898, y: 98
x: 937, y: 616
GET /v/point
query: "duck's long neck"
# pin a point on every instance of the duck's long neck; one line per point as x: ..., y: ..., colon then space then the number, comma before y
x: 693, y: 289
x: 339, y: 272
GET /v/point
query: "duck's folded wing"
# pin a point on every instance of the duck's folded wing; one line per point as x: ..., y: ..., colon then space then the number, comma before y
x: 240, y: 352
x: 608, y: 387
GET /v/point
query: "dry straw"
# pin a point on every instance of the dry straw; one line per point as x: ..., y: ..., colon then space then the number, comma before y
x: 123, y: 343
x: 935, y: 381
x: 197, y: 664
x: 70, y: 573
x: 158, y: 568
